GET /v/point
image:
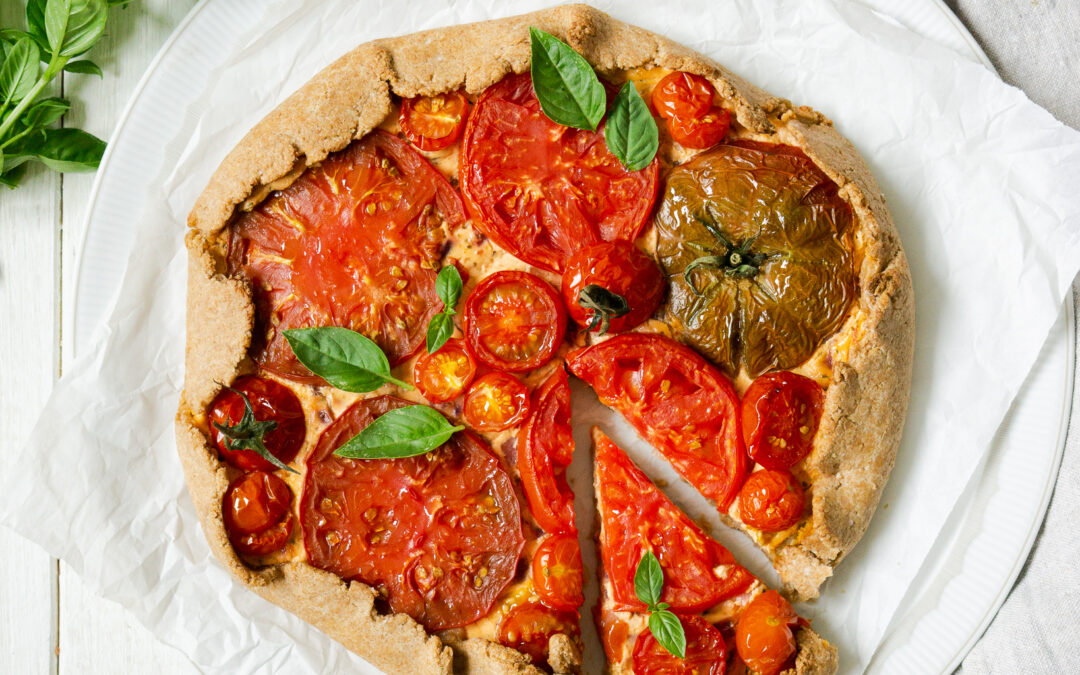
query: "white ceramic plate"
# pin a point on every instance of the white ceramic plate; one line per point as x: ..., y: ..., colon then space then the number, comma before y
x: 982, y: 549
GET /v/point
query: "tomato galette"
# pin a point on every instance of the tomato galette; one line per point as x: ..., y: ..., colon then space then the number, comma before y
x: 394, y: 275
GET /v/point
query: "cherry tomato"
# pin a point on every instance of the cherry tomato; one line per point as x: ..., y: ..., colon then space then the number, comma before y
x: 706, y: 651
x: 433, y: 122
x: 557, y: 572
x: 495, y: 402
x: 444, y: 375
x: 764, y: 635
x: 438, y: 535
x: 514, y: 321
x: 620, y: 268
x: 771, y: 501
x: 702, y: 132
x: 545, y: 449
x: 256, y: 513
x: 271, y: 402
x: 678, y: 401
x: 636, y: 517
x: 528, y: 627
x: 356, y: 242
x: 541, y: 190
x: 780, y: 415
x: 683, y: 95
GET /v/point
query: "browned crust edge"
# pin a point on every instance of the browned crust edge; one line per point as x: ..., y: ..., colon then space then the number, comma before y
x: 864, y: 410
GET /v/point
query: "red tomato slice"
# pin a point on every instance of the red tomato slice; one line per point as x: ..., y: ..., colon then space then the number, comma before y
x: 706, y: 652
x: 545, y: 449
x: 529, y: 626
x: 636, y: 517
x: 771, y: 501
x: 683, y: 95
x: 444, y: 375
x: 438, y: 535
x: 614, y: 632
x: 433, y: 122
x: 271, y: 402
x: 541, y: 190
x: 495, y: 402
x: 514, y: 321
x: 356, y: 242
x: 677, y: 401
x: 765, y: 635
x: 699, y: 133
x: 780, y: 415
x: 619, y: 267
x: 557, y: 572
x: 256, y: 513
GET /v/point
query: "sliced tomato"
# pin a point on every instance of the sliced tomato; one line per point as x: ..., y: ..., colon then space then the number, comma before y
x: 355, y: 241
x: 514, y: 321
x: 614, y: 632
x: 495, y: 402
x: 636, y: 517
x: 529, y: 626
x: 271, y: 402
x: 557, y: 572
x: 780, y: 415
x: 765, y: 633
x: 433, y: 122
x: 771, y: 501
x: 682, y: 94
x: 618, y: 267
x: 438, y: 535
x: 706, y: 651
x: 446, y: 374
x: 545, y: 449
x: 541, y: 190
x: 699, y: 133
x: 677, y: 401
x: 256, y: 513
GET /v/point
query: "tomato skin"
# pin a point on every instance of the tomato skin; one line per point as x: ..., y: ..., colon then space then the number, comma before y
x: 545, y: 449
x: 557, y: 572
x: 764, y: 635
x: 495, y: 402
x: 514, y: 321
x: 433, y: 122
x: 621, y: 268
x: 706, y: 652
x: 444, y: 375
x: 771, y: 501
x: 270, y: 401
x: 255, y: 509
x: 682, y: 94
x: 699, y: 133
x: 529, y: 626
x: 780, y: 413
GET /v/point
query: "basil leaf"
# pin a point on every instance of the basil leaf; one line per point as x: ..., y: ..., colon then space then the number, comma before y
x: 439, y: 331
x: 68, y: 150
x: 344, y: 358
x: 35, y: 23
x: 12, y: 176
x: 403, y: 432
x: 565, y: 84
x: 448, y: 288
x: 57, y: 13
x: 84, y: 67
x: 648, y: 579
x: 668, y: 631
x: 630, y: 131
x: 19, y: 72
x: 45, y: 112
x: 85, y: 25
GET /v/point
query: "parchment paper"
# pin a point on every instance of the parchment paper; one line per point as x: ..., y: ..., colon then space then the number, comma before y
x: 982, y: 183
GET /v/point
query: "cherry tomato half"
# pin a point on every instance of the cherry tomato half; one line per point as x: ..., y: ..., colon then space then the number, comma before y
x: 683, y: 95
x: 771, y: 501
x: 433, y: 122
x: 514, y: 321
x: 271, y: 402
x: 706, y: 651
x: 529, y: 626
x: 780, y: 414
x: 444, y: 375
x: 764, y: 635
x: 545, y: 449
x: 557, y: 572
x: 620, y: 268
x: 495, y: 402
x: 702, y: 132
x: 256, y: 513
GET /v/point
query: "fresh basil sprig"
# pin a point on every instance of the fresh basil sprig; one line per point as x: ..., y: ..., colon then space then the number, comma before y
x: 630, y: 131
x: 565, y: 84
x: 402, y: 432
x: 344, y: 358
x: 248, y: 433
x: 441, y: 327
x: 663, y: 623
x: 605, y: 305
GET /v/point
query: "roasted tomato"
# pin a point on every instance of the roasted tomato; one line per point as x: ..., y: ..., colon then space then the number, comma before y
x: 529, y: 626
x: 433, y: 122
x: 764, y: 634
x: 679, y: 403
x: 757, y: 243
x: 619, y: 268
x: 682, y: 95
x: 541, y: 190
x: 356, y: 242
x: 271, y: 402
x: 256, y: 513
x: 614, y: 632
x: 706, y: 651
x: 636, y: 517
x: 438, y: 535
x: 514, y: 321
x: 780, y: 415
x: 699, y: 133
x: 557, y: 572
x: 446, y: 374
x: 545, y: 449
x: 495, y: 402
x: 771, y: 501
